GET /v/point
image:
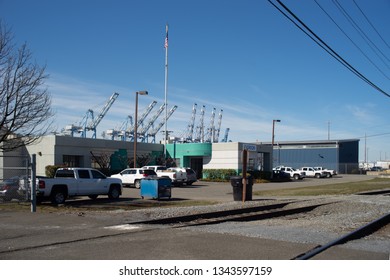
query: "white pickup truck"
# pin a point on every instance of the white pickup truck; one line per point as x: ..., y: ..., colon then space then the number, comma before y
x: 311, y: 172
x: 329, y: 172
x: 296, y: 174
x: 176, y: 174
x: 69, y: 182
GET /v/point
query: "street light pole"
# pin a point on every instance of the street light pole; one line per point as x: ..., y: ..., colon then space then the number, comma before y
x: 273, y: 132
x: 273, y: 139
x: 135, y: 137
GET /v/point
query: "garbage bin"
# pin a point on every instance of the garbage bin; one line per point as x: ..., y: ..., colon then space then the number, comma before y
x: 238, y: 186
x: 156, y: 188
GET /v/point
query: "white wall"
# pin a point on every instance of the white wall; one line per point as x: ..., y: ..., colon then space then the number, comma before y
x: 229, y: 155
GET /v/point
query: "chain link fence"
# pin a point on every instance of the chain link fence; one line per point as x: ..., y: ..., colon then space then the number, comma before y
x: 15, y: 178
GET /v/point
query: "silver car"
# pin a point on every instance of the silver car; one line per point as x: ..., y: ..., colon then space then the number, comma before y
x: 191, y: 176
x: 9, y: 188
x: 133, y: 176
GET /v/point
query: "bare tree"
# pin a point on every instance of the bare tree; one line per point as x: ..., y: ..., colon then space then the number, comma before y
x: 25, y: 104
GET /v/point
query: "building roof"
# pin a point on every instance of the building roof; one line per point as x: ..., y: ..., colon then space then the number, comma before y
x: 309, y: 142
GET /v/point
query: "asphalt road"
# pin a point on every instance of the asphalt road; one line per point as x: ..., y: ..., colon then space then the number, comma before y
x: 70, y: 234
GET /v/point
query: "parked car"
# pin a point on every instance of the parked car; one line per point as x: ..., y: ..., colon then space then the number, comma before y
x: 311, y: 172
x: 9, y: 188
x: 330, y: 172
x: 297, y: 175
x: 178, y: 175
x: 376, y: 168
x: 191, y: 176
x: 133, y: 176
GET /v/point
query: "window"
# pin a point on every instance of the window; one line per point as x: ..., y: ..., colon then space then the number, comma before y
x: 65, y: 173
x: 83, y: 174
x: 148, y: 172
x: 72, y: 161
x: 97, y: 175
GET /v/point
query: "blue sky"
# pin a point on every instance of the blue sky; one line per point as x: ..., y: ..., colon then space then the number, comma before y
x: 243, y: 57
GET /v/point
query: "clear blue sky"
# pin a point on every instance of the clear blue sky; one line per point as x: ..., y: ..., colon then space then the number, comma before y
x: 240, y: 56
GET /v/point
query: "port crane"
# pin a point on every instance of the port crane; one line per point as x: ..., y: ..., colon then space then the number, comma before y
x: 225, y: 138
x: 121, y: 132
x: 211, y: 128
x: 154, y: 132
x: 189, y: 134
x: 89, y: 122
x: 218, y: 128
x: 200, y: 127
x: 142, y: 133
x: 130, y: 131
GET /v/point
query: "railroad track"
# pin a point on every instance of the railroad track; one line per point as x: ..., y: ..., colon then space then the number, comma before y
x: 269, y: 212
x: 359, y: 233
x: 274, y: 210
x: 235, y: 215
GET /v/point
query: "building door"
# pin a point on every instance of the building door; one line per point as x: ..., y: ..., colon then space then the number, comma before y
x: 196, y: 164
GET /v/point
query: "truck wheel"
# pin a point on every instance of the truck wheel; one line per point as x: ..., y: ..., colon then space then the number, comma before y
x: 114, y: 193
x: 58, y: 197
x: 296, y: 177
x: 317, y: 175
x: 137, y: 184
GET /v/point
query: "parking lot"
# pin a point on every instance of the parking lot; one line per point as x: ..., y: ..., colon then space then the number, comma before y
x: 102, y: 229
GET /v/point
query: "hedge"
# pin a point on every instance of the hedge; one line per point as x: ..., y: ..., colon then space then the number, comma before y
x: 218, y: 174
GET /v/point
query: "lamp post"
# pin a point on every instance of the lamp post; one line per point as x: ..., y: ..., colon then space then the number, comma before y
x: 273, y: 138
x: 135, y: 137
x: 273, y: 132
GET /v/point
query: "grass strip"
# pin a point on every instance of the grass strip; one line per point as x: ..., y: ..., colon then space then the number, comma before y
x: 331, y: 189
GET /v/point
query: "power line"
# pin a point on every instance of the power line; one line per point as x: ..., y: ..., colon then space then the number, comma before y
x: 374, y: 135
x: 364, y: 36
x: 350, y: 39
x: 373, y: 27
x: 312, y: 35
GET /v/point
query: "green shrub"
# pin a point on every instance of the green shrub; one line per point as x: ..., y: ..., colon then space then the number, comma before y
x: 218, y: 175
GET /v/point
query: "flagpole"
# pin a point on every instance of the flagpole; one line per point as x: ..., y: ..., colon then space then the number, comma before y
x: 166, y: 91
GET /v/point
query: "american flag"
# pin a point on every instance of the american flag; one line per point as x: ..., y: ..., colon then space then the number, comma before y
x: 166, y: 38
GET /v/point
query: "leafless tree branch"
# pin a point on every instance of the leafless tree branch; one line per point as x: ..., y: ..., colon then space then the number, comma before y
x: 25, y: 103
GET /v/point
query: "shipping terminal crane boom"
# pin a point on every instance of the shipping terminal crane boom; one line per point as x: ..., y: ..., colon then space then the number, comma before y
x: 188, y: 137
x: 84, y: 125
x: 95, y: 122
x: 142, y: 134
x: 218, y: 129
x: 160, y: 125
x: 200, y: 128
x: 211, y: 128
x: 130, y: 131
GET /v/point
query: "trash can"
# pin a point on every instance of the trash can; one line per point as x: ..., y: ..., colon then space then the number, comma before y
x: 156, y: 188
x: 238, y: 186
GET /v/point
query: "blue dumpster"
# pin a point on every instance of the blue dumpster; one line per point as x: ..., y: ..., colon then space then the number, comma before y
x: 156, y: 188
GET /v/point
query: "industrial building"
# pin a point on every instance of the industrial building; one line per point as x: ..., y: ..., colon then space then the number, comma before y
x: 339, y: 155
x: 83, y: 152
